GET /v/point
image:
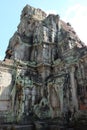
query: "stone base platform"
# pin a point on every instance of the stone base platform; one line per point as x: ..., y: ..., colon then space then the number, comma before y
x: 16, y: 127
x: 40, y: 125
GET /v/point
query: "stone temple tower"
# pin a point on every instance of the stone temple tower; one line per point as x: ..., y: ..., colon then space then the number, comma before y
x: 46, y: 67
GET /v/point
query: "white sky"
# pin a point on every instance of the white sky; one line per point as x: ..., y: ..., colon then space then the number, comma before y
x: 77, y: 16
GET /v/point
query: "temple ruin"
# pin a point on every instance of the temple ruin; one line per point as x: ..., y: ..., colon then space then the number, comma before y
x: 44, y: 72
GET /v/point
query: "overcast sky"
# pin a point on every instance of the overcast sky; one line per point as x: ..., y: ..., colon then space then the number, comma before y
x: 72, y: 11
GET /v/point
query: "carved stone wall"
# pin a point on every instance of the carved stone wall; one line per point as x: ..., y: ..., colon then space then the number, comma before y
x: 48, y: 75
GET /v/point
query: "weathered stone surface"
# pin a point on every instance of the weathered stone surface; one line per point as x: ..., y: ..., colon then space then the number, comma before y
x: 48, y: 63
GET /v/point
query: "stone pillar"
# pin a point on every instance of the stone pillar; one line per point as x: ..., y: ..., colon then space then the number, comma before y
x: 60, y: 92
x: 73, y: 86
x: 82, y: 70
